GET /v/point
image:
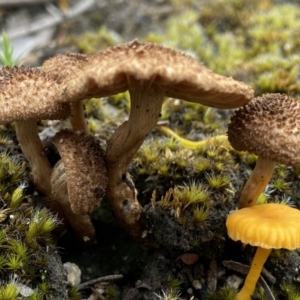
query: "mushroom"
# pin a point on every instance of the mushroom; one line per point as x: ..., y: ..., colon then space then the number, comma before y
x: 86, y: 173
x: 269, y: 127
x: 149, y: 72
x: 79, y: 179
x: 265, y: 226
x: 28, y: 95
x: 61, y: 67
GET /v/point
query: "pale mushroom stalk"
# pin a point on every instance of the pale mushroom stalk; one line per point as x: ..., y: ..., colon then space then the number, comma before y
x: 32, y: 148
x: 77, y: 119
x: 257, y: 182
x: 146, y: 103
x: 258, y: 262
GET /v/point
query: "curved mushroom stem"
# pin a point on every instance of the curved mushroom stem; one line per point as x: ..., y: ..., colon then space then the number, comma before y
x: 259, y: 259
x: 257, y: 182
x: 146, y: 103
x: 77, y: 119
x: 32, y: 148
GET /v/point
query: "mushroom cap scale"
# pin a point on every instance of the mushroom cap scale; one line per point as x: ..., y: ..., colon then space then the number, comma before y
x: 122, y: 67
x: 268, y: 126
x: 267, y: 225
x: 27, y: 93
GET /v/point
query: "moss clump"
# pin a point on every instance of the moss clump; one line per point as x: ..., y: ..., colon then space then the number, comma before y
x: 224, y: 293
x: 26, y: 245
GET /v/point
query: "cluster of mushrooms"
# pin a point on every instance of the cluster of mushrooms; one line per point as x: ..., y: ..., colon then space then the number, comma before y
x: 150, y: 72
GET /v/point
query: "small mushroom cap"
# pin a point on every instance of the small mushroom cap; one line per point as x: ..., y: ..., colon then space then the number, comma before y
x: 268, y: 126
x: 122, y: 67
x: 64, y: 65
x: 267, y: 225
x: 85, y: 169
x: 27, y: 93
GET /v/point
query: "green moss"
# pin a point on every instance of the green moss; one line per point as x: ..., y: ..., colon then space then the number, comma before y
x: 289, y: 291
x: 25, y: 241
x: 90, y: 43
x: 9, y: 292
x: 224, y: 293
x: 74, y: 293
x: 218, y: 181
x: 200, y: 215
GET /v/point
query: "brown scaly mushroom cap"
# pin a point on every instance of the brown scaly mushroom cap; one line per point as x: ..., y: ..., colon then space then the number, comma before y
x: 85, y: 169
x: 119, y: 68
x: 149, y: 72
x: 62, y: 67
x: 27, y: 93
x: 269, y: 127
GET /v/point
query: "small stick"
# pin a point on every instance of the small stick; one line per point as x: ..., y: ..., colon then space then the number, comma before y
x: 48, y: 22
x: 4, y: 3
x: 86, y: 284
x: 236, y: 266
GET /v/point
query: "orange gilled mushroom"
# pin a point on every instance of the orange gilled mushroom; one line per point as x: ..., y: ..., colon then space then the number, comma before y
x: 269, y: 127
x: 266, y: 226
x: 149, y: 72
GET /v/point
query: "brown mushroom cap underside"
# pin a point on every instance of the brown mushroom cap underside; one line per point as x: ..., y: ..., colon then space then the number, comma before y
x: 64, y: 65
x: 268, y: 126
x: 122, y: 67
x: 85, y: 169
x: 27, y: 93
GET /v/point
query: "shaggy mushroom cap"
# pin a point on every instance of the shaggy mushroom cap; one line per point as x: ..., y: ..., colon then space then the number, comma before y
x: 121, y: 67
x: 27, y: 93
x: 268, y: 126
x: 85, y: 169
x: 64, y: 65
x: 266, y: 226
x: 270, y: 226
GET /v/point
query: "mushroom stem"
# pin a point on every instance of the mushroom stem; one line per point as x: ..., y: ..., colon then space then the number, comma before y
x: 257, y: 182
x: 146, y: 103
x: 32, y: 148
x: 259, y: 259
x: 77, y: 119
